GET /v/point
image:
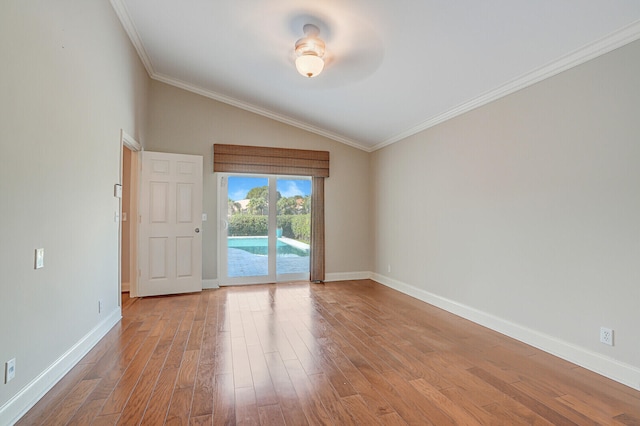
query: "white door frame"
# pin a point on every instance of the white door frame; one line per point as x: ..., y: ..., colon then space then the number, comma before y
x: 135, y: 148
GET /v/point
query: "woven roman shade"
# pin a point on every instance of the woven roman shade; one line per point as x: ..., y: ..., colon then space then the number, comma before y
x: 284, y: 161
x: 271, y: 161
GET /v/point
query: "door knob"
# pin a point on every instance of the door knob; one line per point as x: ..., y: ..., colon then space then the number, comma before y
x: 197, y: 230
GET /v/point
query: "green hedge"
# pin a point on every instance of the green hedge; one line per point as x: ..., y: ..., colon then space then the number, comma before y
x: 297, y: 227
x: 301, y: 226
x: 245, y: 225
x: 284, y: 223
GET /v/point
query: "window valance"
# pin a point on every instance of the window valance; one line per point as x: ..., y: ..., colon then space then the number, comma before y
x: 272, y: 161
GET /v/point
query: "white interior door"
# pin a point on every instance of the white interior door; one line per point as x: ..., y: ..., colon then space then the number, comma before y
x: 170, y: 255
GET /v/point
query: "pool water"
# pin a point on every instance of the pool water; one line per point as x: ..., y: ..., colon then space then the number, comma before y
x: 258, y: 245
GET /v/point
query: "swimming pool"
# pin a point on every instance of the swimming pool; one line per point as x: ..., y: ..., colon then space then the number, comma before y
x: 258, y: 245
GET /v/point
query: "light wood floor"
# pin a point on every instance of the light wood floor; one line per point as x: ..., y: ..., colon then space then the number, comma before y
x: 342, y: 353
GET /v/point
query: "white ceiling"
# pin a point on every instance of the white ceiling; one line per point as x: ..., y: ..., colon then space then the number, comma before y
x: 394, y: 67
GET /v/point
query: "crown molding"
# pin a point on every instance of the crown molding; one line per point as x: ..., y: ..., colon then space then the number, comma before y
x: 590, y: 51
x: 125, y: 19
x: 257, y: 110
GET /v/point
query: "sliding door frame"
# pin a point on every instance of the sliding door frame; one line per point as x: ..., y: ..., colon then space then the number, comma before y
x: 284, y: 161
x: 272, y: 272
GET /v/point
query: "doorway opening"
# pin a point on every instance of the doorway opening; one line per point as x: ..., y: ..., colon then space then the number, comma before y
x: 129, y: 176
x: 266, y: 228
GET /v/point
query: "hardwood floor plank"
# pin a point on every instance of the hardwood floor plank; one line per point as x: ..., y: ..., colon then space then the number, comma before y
x: 271, y: 415
x: 246, y: 407
x: 510, y: 412
x: 594, y: 412
x: 158, y: 407
x: 330, y: 399
x: 266, y: 328
x: 352, y: 352
x: 405, y: 409
x: 627, y: 419
x: 223, y: 361
x: 137, y: 403
x: 287, y: 397
x: 188, y: 369
x: 106, y: 420
x: 224, y: 412
x: 176, y: 353
x: 429, y: 409
x: 120, y: 395
x: 203, y: 390
x: 206, y: 420
x: 460, y: 399
x: 311, y: 404
x: 302, y: 352
x: 262, y: 384
x: 43, y: 408
x: 241, y: 366
x: 180, y: 408
x: 456, y: 413
x: 71, y: 403
x: 391, y: 419
x: 361, y: 415
x: 549, y: 398
x: 372, y: 398
x: 544, y: 411
x: 86, y: 413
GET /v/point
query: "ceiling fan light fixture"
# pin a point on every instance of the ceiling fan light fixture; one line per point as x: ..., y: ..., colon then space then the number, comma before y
x: 309, y: 65
x: 310, y: 50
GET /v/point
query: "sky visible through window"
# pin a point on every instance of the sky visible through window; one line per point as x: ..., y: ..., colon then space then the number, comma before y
x: 239, y: 186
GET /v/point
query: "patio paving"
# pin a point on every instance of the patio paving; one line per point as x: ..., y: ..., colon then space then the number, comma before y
x: 242, y: 263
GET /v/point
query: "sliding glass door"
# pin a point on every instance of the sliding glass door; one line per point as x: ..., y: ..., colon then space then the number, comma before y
x: 293, y: 228
x: 264, y: 228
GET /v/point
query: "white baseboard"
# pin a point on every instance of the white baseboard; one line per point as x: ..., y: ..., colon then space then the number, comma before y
x: 347, y: 276
x: 26, y: 398
x: 598, y: 363
x: 210, y: 283
x: 124, y: 287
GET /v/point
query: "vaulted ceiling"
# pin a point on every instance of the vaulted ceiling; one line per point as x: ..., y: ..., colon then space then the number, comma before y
x: 393, y: 68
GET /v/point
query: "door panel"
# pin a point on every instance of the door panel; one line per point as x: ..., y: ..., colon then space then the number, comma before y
x: 294, y: 228
x: 245, y: 230
x: 170, y: 223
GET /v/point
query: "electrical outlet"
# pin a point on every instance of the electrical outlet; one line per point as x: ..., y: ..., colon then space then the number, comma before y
x: 9, y: 370
x: 389, y: 268
x: 606, y: 336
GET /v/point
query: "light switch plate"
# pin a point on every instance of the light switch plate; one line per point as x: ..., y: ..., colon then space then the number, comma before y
x: 39, y: 262
x: 117, y: 190
x: 9, y: 370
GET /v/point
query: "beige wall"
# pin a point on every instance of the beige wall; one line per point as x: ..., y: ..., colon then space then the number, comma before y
x: 69, y: 81
x: 526, y: 209
x: 186, y: 123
